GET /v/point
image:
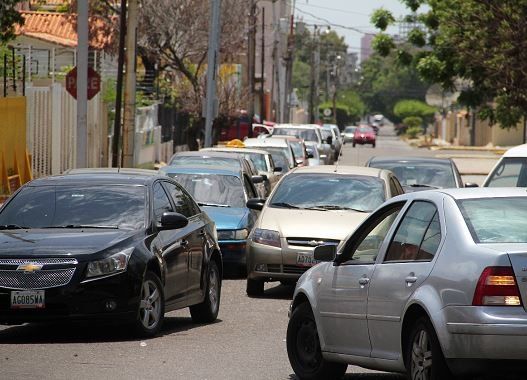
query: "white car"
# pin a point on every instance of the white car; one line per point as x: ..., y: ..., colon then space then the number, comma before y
x: 510, y: 170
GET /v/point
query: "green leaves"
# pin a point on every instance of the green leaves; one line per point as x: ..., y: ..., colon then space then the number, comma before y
x: 9, y: 16
x: 417, y: 37
x: 410, y: 107
x: 382, y: 18
x: 383, y: 44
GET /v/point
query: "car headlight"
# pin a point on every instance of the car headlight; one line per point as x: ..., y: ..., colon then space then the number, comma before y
x: 233, y: 234
x: 266, y: 237
x: 115, y: 263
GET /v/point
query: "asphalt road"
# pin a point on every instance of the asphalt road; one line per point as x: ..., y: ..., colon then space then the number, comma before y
x: 247, y: 341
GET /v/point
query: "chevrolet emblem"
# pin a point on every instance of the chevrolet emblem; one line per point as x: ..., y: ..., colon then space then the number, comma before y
x: 29, y: 268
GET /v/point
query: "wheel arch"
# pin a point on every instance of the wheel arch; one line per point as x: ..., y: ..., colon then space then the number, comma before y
x: 154, y: 267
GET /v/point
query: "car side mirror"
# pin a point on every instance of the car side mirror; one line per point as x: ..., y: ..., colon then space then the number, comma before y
x: 277, y: 169
x: 257, y: 179
x: 471, y: 184
x: 310, y: 155
x: 256, y: 204
x: 329, y: 140
x: 325, y: 253
x: 264, y: 177
x: 173, y: 220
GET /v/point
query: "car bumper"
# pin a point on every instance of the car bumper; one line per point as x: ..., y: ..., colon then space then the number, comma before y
x: 485, y: 333
x: 233, y: 251
x: 275, y: 264
x: 115, y: 297
x: 364, y: 141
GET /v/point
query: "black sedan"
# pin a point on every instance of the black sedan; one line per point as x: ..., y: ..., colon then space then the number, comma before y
x: 421, y: 173
x: 107, y: 245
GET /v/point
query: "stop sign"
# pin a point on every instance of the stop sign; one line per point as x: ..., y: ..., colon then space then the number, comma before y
x: 94, y: 82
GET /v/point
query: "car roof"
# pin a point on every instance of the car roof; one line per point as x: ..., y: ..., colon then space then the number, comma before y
x: 297, y: 126
x: 517, y: 151
x: 234, y: 150
x: 112, y: 171
x: 484, y: 192
x: 85, y: 177
x: 270, y: 142
x: 285, y: 137
x: 342, y: 169
x: 201, y: 153
x: 411, y: 159
x: 202, y: 169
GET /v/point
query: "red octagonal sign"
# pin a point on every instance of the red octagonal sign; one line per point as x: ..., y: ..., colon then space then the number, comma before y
x: 94, y: 82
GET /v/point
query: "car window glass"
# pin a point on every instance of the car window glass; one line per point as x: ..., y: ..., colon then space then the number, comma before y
x: 249, y: 188
x: 420, y: 173
x: 431, y: 241
x: 184, y: 203
x: 411, y: 232
x: 258, y: 160
x: 161, y: 202
x: 369, y: 247
x: 393, y: 187
x: 510, y: 172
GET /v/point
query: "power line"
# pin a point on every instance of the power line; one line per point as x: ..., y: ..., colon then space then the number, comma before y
x: 327, y: 22
x: 334, y: 9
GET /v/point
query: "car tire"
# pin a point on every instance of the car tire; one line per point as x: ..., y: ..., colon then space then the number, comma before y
x: 373, y: 145
x: 207, y: 311
x: 424, y: 359
x: 151, y: 311
x: 354, y: 144
x: 255, y: 288
x: 303, y: 348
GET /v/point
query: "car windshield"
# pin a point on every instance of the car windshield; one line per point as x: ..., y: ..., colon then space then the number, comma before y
x: 279, y: 157
x: 325, y: 134
x: 298, y: 150
x: 415, y: 174
x: 350, y: 129
x: 366, y: 130
x: 313, y: 150
x: 76, y: 206
x: 213, y: 189
x: 304, y: 134
x: 233, y: 163
x: 329, y: 192
x: 258, y: 160
x: 511, y: 172
x: 496, y: 220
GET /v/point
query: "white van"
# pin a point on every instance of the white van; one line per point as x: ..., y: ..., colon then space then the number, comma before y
x: 510, y: 170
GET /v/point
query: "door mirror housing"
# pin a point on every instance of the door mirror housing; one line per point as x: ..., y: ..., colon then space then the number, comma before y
x: 278, y: 169
x: 310, y: 155
x: 471, y: 184
x: 257, y: 179
x: 264, y: 177
x: 256, y: 204
x: 173, y: 220
x: 325, y: 253
x: 329, y: 140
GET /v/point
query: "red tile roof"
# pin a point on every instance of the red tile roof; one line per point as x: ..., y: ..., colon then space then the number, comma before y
x: 60, y: 28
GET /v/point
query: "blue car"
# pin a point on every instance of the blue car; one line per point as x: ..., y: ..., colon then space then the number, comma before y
x: 222, y: 193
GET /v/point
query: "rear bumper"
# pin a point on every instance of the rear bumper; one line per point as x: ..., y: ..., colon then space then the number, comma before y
x: 233, y: 251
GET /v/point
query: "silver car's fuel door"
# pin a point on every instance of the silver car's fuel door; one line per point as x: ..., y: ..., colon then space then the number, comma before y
x: 407, y: 262
x: 343, y: 298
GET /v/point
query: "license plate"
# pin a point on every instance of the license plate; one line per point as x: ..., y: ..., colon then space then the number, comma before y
x: 27, y: 299
x: 306, y: 260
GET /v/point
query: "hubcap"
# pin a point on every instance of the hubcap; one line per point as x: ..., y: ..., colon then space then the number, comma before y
x: 421, y: 364
x: 213, y: 289
x: 307, y: 345
x: 150, y: 305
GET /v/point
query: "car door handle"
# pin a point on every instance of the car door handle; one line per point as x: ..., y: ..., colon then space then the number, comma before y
x: 411, y: 280
x: 364, y: 281
x: 184, y: 243
x: 202, y: 233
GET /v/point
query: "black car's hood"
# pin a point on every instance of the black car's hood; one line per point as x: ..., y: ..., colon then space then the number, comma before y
x: 55, y: 242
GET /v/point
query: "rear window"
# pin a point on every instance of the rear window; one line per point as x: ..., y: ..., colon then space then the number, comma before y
x: 510, y: 172
x: 496, y: 220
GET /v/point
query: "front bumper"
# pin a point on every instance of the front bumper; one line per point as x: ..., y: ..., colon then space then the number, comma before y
x: 270, y: 263
x: 80, y: 301
x: 233, y: 251
x: 363, y: 141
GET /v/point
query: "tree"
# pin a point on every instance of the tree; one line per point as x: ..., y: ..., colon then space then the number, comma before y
x: 481, y: 42
x: 9, y: 17
x: 406, y: 108
x: 385, y: 81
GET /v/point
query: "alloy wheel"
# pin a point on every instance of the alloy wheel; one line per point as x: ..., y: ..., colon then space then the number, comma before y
x: 421, y: 363
x: 150, y: 305
x: 214, y: 289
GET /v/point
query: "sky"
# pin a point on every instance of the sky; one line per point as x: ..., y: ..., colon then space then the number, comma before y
x: 350, y: 13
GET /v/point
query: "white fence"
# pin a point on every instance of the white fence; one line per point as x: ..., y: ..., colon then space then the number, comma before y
x: 51, y: 130
x: 147, y: 145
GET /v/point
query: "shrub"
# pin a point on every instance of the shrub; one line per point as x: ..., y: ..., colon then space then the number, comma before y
x: 413, y: 132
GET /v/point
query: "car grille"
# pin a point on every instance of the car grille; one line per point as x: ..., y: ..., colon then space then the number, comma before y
x: 311, y: 242
x: 275, y: 268
x: 49, y: 276
x: 295, y: 269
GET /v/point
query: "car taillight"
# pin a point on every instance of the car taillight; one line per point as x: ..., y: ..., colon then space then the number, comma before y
x: 497, y: 287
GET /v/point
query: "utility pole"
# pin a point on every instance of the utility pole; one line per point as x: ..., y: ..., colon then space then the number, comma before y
x: 262, y: 71
x: 313, y: 92
x: 251, y: 61
x: 276, y: 93
x: 82, y: 84
x: 290, y: 57
x: 119, y: 91
x: 130, y: 86
x: 212, y: 69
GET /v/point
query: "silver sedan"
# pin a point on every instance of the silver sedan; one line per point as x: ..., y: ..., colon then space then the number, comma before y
x: 433, y: 284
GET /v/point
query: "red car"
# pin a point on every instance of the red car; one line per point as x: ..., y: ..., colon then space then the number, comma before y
x: 364, y: 135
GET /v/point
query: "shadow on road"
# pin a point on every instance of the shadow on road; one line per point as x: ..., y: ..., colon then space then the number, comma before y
x: 87, y: 331
x: 366, y: 376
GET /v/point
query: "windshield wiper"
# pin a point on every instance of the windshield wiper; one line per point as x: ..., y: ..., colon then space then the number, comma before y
x: 84, y: 226
x: 284, y: 205
x: 12, y: 227
x: 422, y: 185
x: 335, y: 207
x: 212, y: 204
